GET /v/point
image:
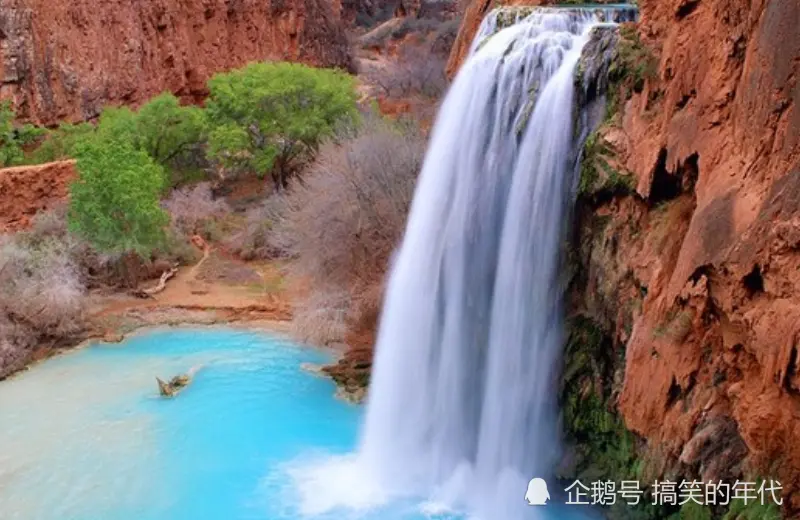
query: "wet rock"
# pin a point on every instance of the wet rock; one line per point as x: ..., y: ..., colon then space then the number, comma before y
x: 113, y: 337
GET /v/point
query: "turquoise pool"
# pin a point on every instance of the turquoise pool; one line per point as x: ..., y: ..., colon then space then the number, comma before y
x: 85, y: 436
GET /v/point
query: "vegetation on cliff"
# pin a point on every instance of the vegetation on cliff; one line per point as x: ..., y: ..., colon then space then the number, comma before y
x: 672, y: 320
x: 14, y: 138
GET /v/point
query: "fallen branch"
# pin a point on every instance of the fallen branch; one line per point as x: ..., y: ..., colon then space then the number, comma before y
x: 162, y: 283
x: 146, y: 294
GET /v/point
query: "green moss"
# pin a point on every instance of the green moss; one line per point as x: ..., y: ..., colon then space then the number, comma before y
x: 597, y: 175
x: 633, y: 64
x: 693, y: 511
x: 605, y: 449
x: 508, y: 16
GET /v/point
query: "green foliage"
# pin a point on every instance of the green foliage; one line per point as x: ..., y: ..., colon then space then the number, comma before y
x: 753, y: 510
x: 14, y: 138
x: 597, y: 175
x: 119, y: 124
x: 115, y: 202
x: 60, y: 143
x: 168, y: 131
x: 271, y: 117
x: 692, y: 511
x: 171, y: 134
x: 605, y: 448
x: 588, y: 177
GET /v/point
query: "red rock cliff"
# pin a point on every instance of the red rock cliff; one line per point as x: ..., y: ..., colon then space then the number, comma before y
x: 66, y: 59
x: 717, y: 339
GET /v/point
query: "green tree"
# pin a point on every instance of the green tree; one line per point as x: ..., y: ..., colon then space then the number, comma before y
x: 115, y: 201
x: 271, y: 117
x: 119, y: 124
x: 171, y: 134
x: 168, y: 131
x: 13, y: 138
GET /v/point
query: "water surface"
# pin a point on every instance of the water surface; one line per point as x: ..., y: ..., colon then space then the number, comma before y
x: 85, y: 436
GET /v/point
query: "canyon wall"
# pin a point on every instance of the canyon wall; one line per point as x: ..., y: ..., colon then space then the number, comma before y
x: 66, y: 59
x: 714, y: 144
x: 690, y: 265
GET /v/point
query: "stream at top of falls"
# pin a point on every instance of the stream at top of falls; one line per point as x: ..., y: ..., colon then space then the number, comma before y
x: 462, y: 408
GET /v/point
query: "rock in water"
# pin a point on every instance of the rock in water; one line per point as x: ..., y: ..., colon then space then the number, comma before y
x: 175, y: 385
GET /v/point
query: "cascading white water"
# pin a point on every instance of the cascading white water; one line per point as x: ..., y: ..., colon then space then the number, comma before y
x: 464, y: 384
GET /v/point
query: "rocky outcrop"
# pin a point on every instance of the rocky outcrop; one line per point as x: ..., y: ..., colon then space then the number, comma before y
x: 28, y: 190
x: 692, y: 264
x: 66, y: 59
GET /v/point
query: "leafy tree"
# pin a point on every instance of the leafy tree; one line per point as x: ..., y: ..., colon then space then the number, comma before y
x: 172, y: 135
x: 115, y: 201
x: 119, y: 124
x: 13, y: 138
x: 271, y: 117
x: 168, y: 131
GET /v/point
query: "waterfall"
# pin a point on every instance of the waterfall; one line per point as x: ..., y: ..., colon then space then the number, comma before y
x: 465, y: 379
x: 462, y: 407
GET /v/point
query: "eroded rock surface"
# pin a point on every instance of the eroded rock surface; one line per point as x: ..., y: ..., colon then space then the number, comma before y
x: 28, y: 190
x: 696, y: 268
x: 66, y: 59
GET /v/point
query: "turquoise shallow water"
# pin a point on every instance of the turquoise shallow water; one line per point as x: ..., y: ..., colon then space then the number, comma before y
x: 85, y: 436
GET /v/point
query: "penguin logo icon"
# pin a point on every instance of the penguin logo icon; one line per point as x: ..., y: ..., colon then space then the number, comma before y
x: 537, y: 494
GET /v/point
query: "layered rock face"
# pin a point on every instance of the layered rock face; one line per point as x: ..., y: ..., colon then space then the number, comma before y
x: 693, y: 267
x: 714, y: 143
x: 66, y: 59
x: 28, y: 190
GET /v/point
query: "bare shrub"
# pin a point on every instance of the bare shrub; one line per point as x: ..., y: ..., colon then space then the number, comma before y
x: 253, y: 241
x: 341, y: 225
x: 415, y: 71
x: 445, y: 37
x: 42, y: 293
x: 191, y: 208
x: 322, y: 317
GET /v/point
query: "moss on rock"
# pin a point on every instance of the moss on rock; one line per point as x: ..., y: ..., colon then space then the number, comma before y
x: 597, y: 177
x: 604, y: 448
